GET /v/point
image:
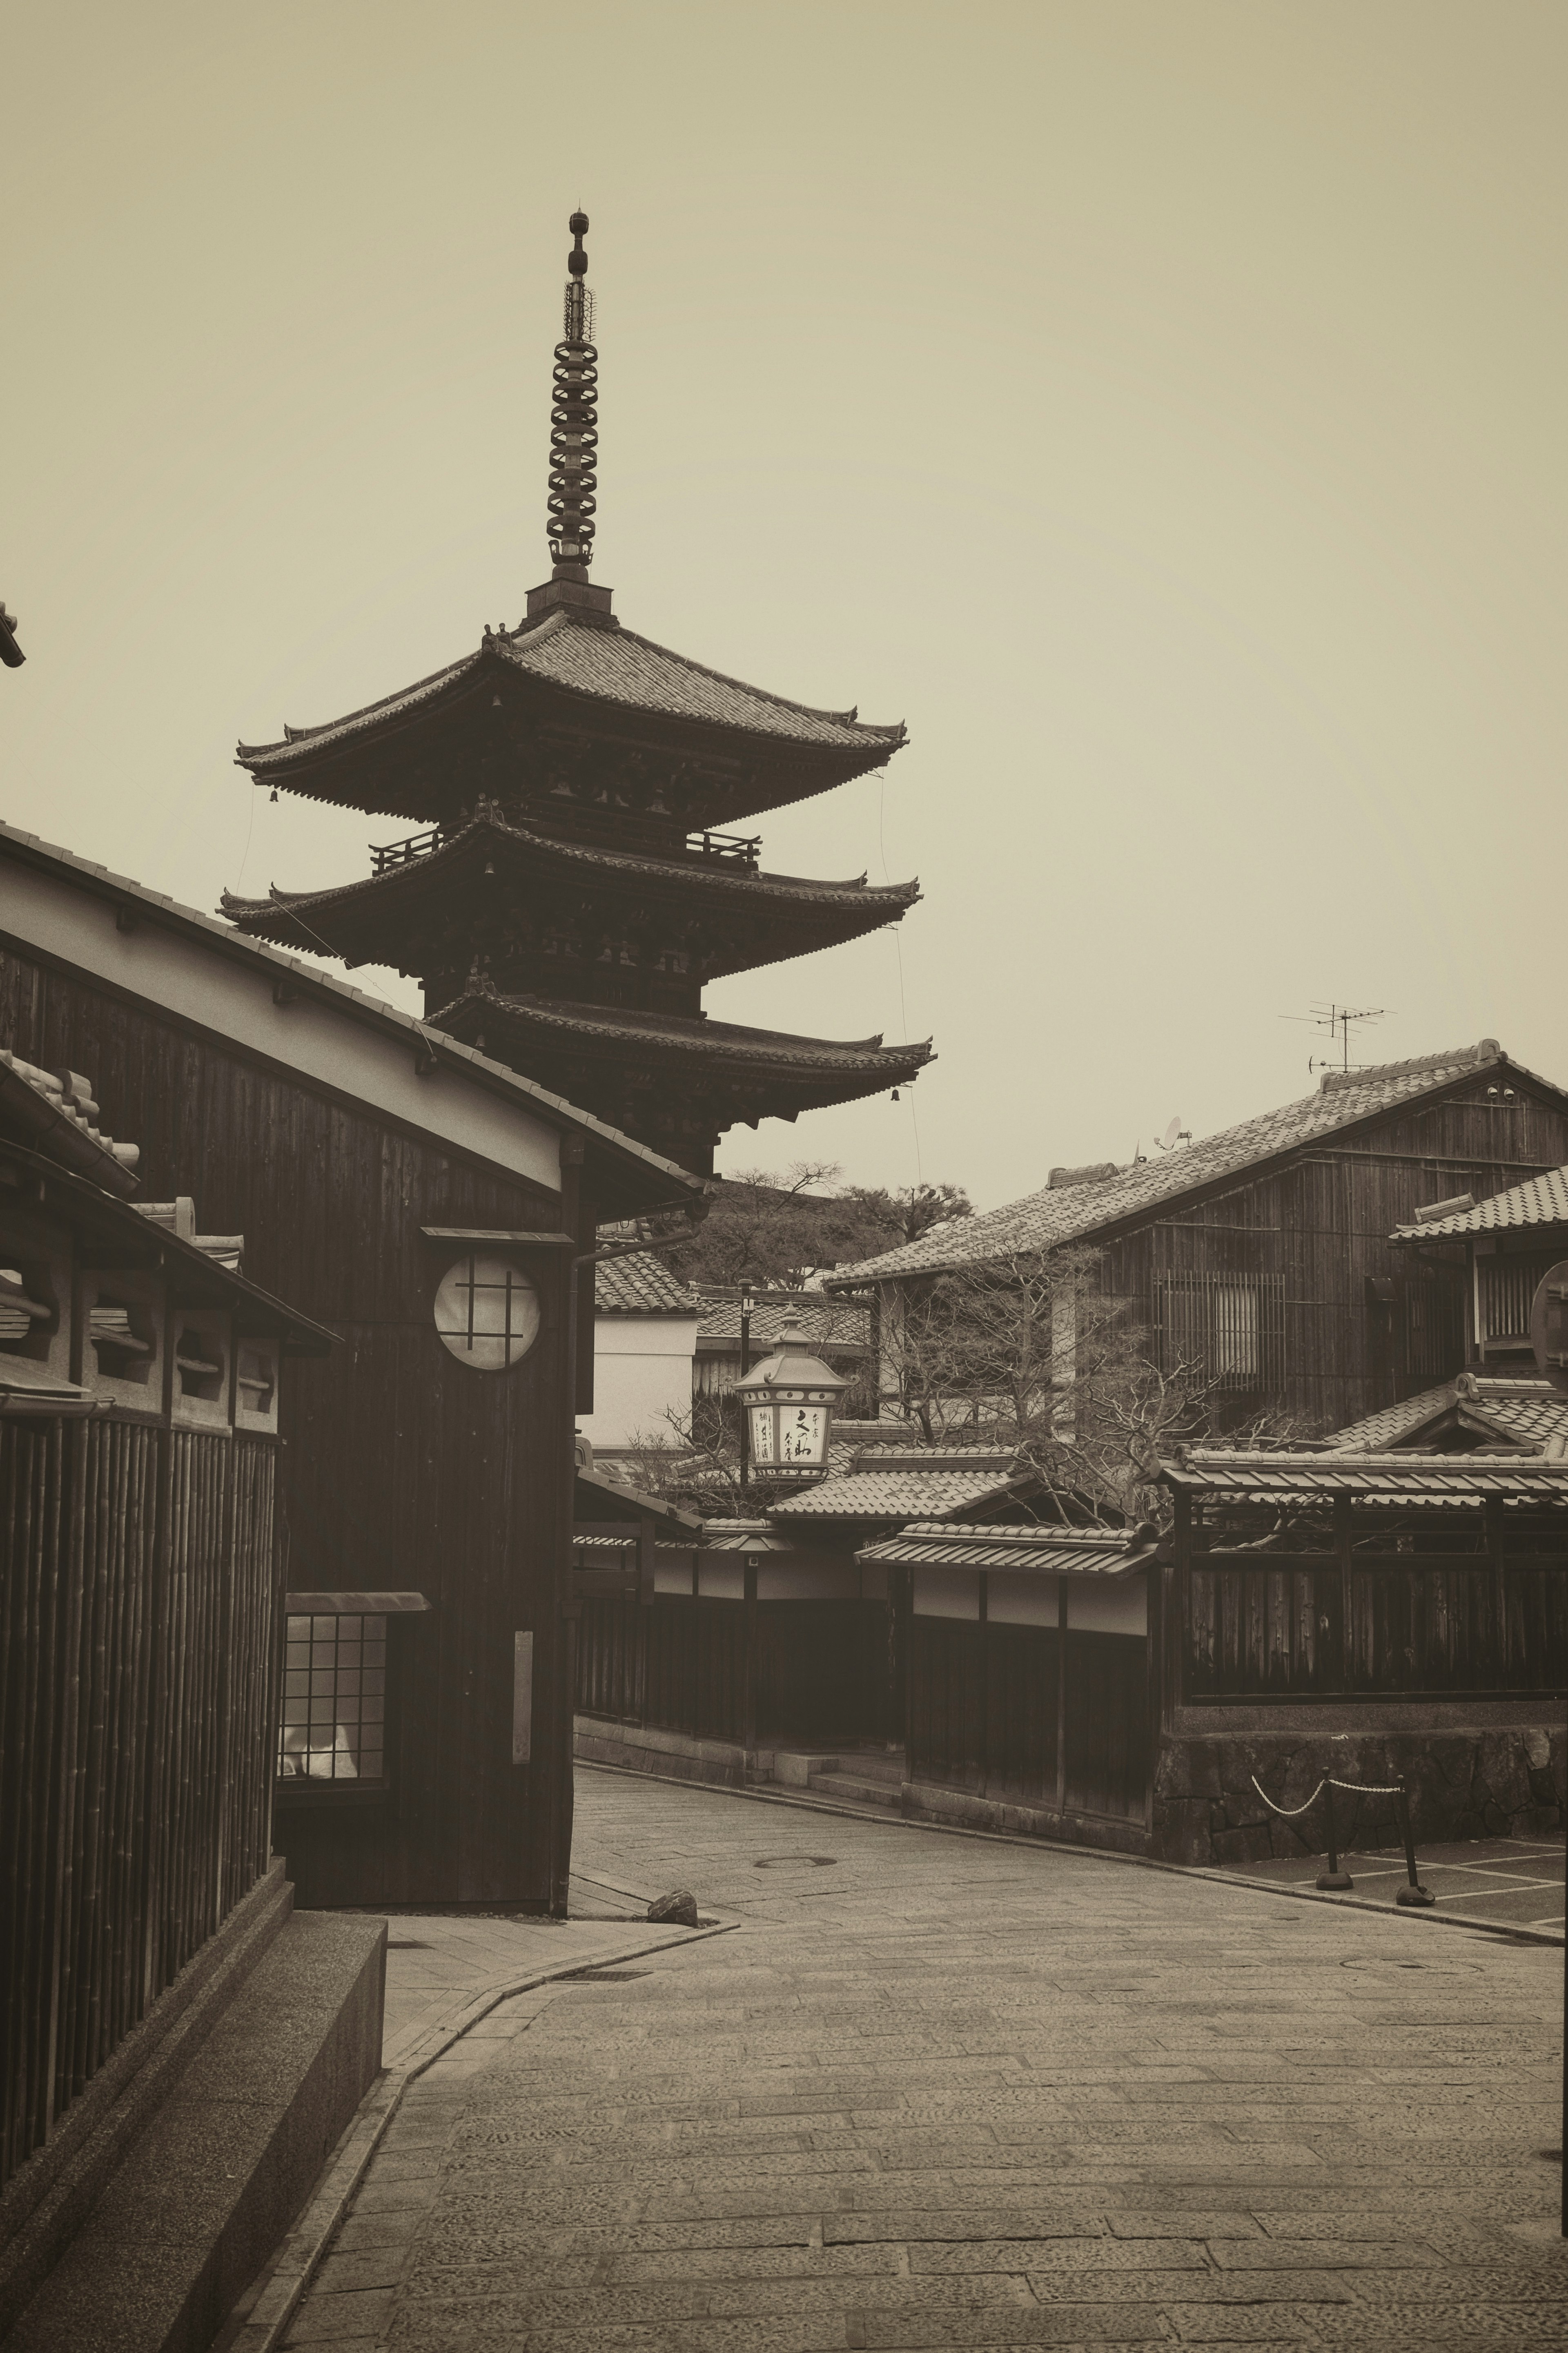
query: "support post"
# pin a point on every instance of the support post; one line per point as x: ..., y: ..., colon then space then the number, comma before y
x: 745, y: 1369
x: 1415, y: 1894
x: 1333, y: 1881
x: 749, y: 1639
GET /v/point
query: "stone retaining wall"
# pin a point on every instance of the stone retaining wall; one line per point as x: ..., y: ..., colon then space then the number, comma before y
x: 1463, y: 1785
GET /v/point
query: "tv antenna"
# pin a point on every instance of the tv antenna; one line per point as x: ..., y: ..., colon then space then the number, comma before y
x: 1175, y: 1133
x: 1342, y: 1019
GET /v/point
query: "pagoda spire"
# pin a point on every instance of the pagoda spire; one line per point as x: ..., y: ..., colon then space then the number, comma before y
x: 574, y: 421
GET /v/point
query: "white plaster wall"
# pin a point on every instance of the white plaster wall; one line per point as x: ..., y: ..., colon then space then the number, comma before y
x: 642, y: 1372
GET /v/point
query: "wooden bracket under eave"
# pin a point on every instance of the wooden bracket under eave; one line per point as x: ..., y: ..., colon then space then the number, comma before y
x: 127, y: 918
x: 284, y: 992
x: 426, y: 1057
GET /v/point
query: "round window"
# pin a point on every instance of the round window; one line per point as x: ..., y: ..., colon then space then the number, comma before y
x: 487, y: 1313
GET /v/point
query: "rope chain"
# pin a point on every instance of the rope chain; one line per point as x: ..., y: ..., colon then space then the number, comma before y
x: 1357, y: 1789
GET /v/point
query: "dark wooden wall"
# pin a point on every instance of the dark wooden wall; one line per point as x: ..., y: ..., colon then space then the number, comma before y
x: 1321, y: 1223
x: 138, y: 1707
x: 805, y: 1673
x: 1448, y: 1604
x: 985, y: 1714
x: 404, y: 1470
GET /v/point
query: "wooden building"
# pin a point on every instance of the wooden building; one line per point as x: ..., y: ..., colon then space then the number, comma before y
x: 1262, y: 1255
x: 1400, y: 1614
x: 568, y: 892
x: 775, y: 1647
x: 1032, y: 1683
x: 434, y: 1207
x: 140, y: 1378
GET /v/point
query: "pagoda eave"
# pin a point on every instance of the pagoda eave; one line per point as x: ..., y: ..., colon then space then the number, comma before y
x: 491, y: 869
x: 767, y: 1073
x: 394, y: 758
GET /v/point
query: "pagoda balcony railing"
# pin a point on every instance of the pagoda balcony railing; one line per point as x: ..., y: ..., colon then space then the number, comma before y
x: 382, y: 859
x: 738, y: 851
x: 725, y: 849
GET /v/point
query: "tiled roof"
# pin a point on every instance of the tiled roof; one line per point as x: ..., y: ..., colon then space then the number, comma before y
x: 308, y: 982
x: 901, y: 1494
x: 772, y: 1052
x: 640, y: 1284
x: 839, y: 910
x: 1376, y: 1432
x: 1077, y: 1551
x: 1383, y: 1478
x: 1539, y: 1201
x: 1066, y: 1213
x: 602, y: 664
x: 56, y: 1115
x: 1528, y: 1410
x: 825, y: 1324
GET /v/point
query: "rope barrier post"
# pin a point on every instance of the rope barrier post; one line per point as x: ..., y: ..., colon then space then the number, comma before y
x: 1333, y: 1881
x: 1415, y: 1894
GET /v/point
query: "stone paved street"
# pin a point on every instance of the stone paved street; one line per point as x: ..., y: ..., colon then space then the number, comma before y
x: 937, y: 2092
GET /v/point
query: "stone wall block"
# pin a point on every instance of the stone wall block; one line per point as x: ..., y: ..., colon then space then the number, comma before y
x: 1187, y: 1768
x: 1290, y: 1841
x: 1235, y: 1846
x: 1184, y: 1830
x: 1503, y: 1762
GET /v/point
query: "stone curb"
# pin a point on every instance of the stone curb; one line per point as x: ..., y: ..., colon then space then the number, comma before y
x: 891, y: 1821
x: 260, y: 2321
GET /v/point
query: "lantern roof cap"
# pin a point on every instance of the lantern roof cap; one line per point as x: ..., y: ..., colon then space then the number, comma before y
x: 792, y: 1366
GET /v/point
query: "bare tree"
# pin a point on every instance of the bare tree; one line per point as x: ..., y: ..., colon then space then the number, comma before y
x: 1033, y: 1351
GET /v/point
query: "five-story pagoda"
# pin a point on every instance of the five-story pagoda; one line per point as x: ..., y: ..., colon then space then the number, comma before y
x: 570, y: 889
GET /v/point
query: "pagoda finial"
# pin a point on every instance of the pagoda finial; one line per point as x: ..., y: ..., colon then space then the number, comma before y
x: 574, y: 422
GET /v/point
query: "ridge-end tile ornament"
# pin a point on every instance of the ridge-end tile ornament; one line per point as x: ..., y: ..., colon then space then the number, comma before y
x: 789, y: 1399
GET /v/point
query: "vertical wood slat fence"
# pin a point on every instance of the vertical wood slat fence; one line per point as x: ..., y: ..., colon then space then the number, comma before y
x: 1031, y: 1715
x: 139, y: 1589
x: 807, y: 1673
x: 1346, y: 1623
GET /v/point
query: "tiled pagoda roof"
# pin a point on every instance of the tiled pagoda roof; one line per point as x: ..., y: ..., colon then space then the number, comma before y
x: 592, y: 660
x: 846, y: 1068
x: 348, y: 918
x: 1086, y: 1204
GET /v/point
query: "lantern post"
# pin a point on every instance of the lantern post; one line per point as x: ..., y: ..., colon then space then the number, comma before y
x: 788, y: 1405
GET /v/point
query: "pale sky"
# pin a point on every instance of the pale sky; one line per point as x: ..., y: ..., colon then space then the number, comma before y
x: 1158, y: 406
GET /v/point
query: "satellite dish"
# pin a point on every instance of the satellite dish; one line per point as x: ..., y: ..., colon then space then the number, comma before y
x: 1168, y: 1140
x: 1549, y: 1324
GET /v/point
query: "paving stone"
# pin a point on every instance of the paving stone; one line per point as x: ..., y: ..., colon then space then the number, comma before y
x: 975, y: 2096
x: 330, y: 2317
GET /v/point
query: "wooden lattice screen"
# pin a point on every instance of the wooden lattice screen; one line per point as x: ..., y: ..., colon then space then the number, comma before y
x: 1229, y: 1329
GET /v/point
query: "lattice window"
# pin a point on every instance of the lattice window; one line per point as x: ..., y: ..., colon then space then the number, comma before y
x: 1224, y: 1328
x: 335, y: 1700
x: 487, y: 1313
x: 1507, y: 1290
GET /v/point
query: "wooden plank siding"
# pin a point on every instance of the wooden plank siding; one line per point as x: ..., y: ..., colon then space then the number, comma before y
x: 139, y: 1583
x: 803, y: 1674
x: 1320, y: 1222
x: 403, y: 1468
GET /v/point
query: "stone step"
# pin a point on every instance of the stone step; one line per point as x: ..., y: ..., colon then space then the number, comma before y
x: 869, y: 1763
x: 860, y: 1788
